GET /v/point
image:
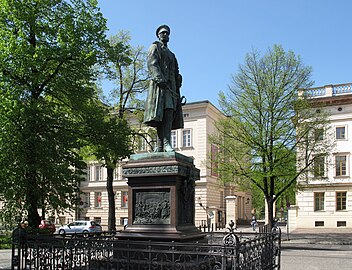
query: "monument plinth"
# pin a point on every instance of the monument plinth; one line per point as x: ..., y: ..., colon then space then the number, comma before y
x: 161, y: 197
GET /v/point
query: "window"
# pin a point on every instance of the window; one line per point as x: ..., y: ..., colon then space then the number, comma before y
x: 62, y: 220
x: 116, y: 173
x: 340, y: 133
x: 341, y: 200
x: 97, y: 199
x: 186, y: 138
x: 340, y: 163
x: 97, y: 220
x: 319, y: 166
x: 124, y: 198
x: 319, y: 201
x: 173, y: 139
x: 86, y: 200
x: 319, y: 223
x: 88, y: 173
x: 319, y: 134
x: 142, y: 144
x: 98, y: 173
x: 341, y: 224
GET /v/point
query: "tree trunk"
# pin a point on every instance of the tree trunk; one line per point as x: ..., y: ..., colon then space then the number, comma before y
x: 270, y: 206
x: 111, y: 199
x: 32, y: 201
x: 43, y: 212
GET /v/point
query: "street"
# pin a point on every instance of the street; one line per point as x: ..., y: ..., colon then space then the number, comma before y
x: 316, y: 256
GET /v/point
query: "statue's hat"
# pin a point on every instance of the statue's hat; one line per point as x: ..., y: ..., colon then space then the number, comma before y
x: 162, y: 27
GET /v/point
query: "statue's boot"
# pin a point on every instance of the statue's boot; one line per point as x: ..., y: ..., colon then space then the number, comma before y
x: 167, y: 146
x: 159, y: 147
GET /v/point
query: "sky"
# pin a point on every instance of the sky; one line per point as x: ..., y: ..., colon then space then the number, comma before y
x: 210, y: 38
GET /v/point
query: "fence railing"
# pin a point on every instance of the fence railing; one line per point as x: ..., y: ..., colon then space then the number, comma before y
x: 212, y: 227
x: 327, y: 91
x: 217, y: 251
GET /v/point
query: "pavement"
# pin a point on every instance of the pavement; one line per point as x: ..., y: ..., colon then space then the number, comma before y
x: 334, y: 236
x: 5, y: 259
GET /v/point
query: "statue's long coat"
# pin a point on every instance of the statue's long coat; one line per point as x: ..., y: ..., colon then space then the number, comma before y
x: 163, y: 67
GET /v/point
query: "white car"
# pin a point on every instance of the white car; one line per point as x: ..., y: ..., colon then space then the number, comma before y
x: 80, y: 226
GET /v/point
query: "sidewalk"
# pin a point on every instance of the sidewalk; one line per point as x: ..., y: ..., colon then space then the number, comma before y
x: 336, y: 236
x: 5, y: 259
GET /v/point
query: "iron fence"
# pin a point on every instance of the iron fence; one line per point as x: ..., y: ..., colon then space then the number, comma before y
x: 217, y: 252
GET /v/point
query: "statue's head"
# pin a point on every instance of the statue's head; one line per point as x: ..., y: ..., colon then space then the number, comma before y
x: 162, y: 28
x: 163, y: 33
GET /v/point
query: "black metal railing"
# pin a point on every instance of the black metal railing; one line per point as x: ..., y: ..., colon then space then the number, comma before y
x: 217, y: 251
x: 211, y: 227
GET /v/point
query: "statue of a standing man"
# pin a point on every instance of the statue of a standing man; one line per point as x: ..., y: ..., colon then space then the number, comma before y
x: 163, y: 105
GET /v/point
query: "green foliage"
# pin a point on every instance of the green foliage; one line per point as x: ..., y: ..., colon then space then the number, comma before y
x: 127, y: 70
x: 6, y: 240
x: 267, y: 123
x: 109, y: 134
x: 48, y: 50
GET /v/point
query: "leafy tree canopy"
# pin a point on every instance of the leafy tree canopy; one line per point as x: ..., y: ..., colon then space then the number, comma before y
x: 48, y: 51
x: 267, y: 123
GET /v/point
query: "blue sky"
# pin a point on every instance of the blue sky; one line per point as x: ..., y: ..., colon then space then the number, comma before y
x: 211, y: 38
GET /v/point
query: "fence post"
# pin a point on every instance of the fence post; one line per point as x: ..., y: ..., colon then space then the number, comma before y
x: 231, y: 246
x: 19, y: 243
x: 276, y: 236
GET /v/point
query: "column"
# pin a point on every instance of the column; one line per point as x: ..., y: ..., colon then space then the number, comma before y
x: 231, y: 213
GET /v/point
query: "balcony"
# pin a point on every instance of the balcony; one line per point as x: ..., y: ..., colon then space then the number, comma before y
x: 327, y: 91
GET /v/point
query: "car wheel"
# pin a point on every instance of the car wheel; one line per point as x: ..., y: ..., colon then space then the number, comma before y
x: 62, y: 231
x: 85, y: 233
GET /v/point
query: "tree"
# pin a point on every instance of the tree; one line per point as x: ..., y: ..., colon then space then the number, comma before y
x: 126, y: 69
x: 108, y: 141
x: 48, y: 50
x: 267, y: 124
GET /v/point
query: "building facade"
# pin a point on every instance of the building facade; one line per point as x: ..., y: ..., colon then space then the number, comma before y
x: 191, y: 141
x: 325, y: 199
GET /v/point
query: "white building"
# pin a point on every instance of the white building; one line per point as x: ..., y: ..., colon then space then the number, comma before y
x: 192, y: 141
x: 325, y: 200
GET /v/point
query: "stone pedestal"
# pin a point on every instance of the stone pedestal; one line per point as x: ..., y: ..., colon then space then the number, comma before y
x: 161, y: 197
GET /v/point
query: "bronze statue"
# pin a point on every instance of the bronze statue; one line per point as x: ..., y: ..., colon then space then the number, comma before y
x: 163, y: 107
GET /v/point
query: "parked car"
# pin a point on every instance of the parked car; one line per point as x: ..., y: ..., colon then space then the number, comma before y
x: 47, y: 225
x: 81, y: 226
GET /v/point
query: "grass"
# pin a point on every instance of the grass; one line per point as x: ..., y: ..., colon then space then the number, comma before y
x: 5, y: 241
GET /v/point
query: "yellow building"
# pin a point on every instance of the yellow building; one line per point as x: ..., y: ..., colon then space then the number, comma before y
x: 325, y: 200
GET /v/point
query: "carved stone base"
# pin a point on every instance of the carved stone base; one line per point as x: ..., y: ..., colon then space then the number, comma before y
x: 161, y: 197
